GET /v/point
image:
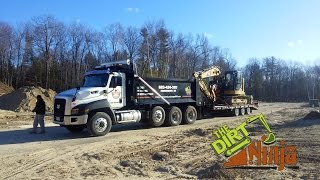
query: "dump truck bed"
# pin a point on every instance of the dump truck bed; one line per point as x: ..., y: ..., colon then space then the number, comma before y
x: 173, y: 90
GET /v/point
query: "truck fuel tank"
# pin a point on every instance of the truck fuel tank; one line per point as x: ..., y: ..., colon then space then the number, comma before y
x: 128, y: 116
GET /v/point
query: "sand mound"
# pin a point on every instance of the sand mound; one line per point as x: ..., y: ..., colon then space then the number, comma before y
x: 4, y: 89
x: 313, y: 115
x: 24, y: 99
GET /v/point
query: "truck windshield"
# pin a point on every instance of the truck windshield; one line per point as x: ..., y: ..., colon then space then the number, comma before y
x: 95, y: 80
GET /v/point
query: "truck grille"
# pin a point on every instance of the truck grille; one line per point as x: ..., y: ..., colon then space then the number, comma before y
x: 59, y: 107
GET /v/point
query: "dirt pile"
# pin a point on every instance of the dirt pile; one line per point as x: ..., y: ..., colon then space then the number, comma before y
x: 313, y: 115
x: 24, y: 99
x: 4, y: 89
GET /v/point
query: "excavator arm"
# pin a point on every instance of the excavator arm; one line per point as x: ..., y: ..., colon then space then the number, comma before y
x: 213, y: 71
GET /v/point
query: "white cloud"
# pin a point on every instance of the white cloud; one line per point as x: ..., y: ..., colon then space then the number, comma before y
x: 291, y: 44
x: 133, y: 10
x: 208, y: 35
x: 295, y: 43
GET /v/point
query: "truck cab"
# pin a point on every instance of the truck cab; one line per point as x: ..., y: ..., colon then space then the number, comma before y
x: 102, y: 94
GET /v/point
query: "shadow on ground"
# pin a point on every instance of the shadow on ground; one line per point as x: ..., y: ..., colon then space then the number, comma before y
x: 54, y: 133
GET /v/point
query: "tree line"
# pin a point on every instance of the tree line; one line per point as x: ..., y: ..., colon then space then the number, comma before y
x: 52, y: 54
x: 274, y: 79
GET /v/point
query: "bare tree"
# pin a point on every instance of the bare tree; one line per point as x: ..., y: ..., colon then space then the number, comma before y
x: 6, y: 52
x: 77, y: 39
x: 19, y: 47
x: 132, y: 41
x: 44, y: 35
x: 178, y: 49
x: 114, y: 35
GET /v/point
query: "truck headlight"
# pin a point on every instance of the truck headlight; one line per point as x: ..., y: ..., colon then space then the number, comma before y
x: 74, y: 111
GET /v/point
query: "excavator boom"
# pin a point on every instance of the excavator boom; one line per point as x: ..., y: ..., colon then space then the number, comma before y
x: 210, y: 72
x: 213, y: 71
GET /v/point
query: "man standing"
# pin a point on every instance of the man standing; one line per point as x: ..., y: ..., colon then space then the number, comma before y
x: 40, y: 110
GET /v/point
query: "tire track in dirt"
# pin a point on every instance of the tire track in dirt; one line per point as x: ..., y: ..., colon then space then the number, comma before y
x: 33, y: 162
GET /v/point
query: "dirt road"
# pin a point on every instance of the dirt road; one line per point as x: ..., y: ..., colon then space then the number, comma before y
x: 137, y: 151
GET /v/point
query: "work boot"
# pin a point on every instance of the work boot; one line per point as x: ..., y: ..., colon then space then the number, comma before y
x: 42, y: 132
x: 32, y: 132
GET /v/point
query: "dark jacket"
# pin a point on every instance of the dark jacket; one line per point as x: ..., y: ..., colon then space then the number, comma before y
x: 40, y: 107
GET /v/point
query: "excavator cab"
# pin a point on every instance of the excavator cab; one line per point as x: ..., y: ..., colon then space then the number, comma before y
x: 233, y: 83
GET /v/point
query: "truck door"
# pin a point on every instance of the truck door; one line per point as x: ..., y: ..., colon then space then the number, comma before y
x: 116, y: 95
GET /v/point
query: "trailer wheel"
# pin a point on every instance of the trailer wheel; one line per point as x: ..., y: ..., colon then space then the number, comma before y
x: 189, y: 115
x: 158, y: 116
x: 75, y: 129
x: 242, y: 111
x: 236, y: 111
x: 174, y: 116
x: 99, y: 124
x: 248, y: 110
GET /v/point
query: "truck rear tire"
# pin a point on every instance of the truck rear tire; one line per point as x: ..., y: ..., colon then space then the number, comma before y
x: 75, y: 129
x: 174, y: 116
x: 189, y: 115
x: 158, y: 116
x: 242, y: 111
x: 99, y: 124
x: 236, y: 112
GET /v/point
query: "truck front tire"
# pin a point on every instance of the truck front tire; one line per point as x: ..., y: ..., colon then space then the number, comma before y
x: 99, y: 124
x: 189, y: 115
x: 174, y: 116
x: 158, y: 116
x: 75, y: 128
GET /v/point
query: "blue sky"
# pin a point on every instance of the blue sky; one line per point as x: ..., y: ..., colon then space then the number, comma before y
x: 288, y: 29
